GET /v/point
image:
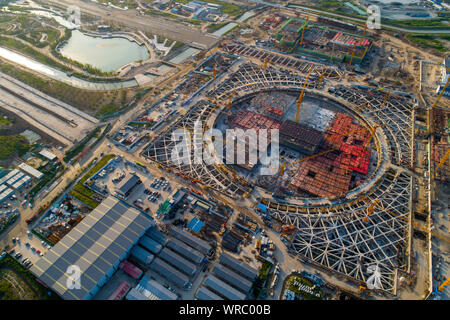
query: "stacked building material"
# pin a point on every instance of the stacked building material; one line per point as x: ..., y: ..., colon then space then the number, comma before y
x: 300, y: 137
x: 344, y: 130
x: 353, y: 158
x: 251, y: 120
x: 319, y: 176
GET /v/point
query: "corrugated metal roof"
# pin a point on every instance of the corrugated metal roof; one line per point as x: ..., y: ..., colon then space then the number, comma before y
x: 157, y: 235
x: 205, y: 294
x: 98, y: 242
x: 186, y: 251
x: 238, y: 266
x: 234, y: 279
x: 223, y: 289
x: 178, y: 261
x: 190, y: 239
x: 139, y: 294
x: 128, y: 184
x: 30, y: 170
x: 169, y: 272
x: 150, y: 244
x: 157, y: 289
x: 195, y: 225
x: 142, y: 255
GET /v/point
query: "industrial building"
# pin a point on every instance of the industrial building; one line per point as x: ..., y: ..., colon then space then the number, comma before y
x: 191, y: 240
x: 36, y: 174
x: 223, y: 289
x: 169, y: 272
x: 127, y: 185
x: 142, y: 255
x: 149, y: 289
x: 96, y: 245
x: 204, y: 293
x: 186, y: 251
x: 238, y: 266
x: 232, y: 278
x: 157, y: 235
x: 150, y: 245
x: 178, y: 262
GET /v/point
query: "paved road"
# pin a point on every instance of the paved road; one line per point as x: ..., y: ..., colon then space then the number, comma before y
x: 385, y: 26
x: 155, y: 24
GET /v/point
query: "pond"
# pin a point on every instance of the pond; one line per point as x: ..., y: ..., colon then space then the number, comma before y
x: 106, y: 54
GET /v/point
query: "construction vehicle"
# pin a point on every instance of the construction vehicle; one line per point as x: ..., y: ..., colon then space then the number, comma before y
x: 300, y: 98
x: 287, y: 228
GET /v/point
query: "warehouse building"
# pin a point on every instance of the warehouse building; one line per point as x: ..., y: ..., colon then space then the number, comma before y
x: 223, y: 289
x: 140, y: 293
x: 190, y: 239
x: 150, y: 288
x: 96, y: 245
x: 14, y: 179
x: 178, y: 261
x: 9, y: 176
x: 238, y: 266
x: 157, y: 235
x: 186, y: 251
x: 232, y: 278
x: 205, y: 294
x: 141, y: 255
x: 170, y: 273
x: 36, y: 174
x: 150, y: 245
x: 127, y: 185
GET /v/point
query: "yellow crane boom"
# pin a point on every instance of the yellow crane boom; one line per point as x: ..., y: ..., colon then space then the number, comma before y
x: 444, y: 158
x: 300, y: 98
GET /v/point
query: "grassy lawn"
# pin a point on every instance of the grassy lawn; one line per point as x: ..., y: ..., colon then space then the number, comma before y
x: 107, y: 109
x: 230, y: 9
x: 216, y: 26
x: 32, y: 53
x: 17, y: 282
x: 86, y: 100
x: 293, y: 283
x: 9, y: 145
x: 85, y: 194
x: 429, y: 41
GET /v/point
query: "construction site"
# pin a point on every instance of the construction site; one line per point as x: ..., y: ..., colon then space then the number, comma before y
x: 301, y: 36
x: 344, y: 181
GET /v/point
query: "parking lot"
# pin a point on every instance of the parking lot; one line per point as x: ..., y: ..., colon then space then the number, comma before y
x: 29, y: 247
x: 149, y: 194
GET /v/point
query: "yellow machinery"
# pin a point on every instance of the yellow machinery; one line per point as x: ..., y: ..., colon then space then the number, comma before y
x: 444, y: 158
x: 442, y: 92
x: 303, y: 30
x: 444, y: 284
x: 300, y: 98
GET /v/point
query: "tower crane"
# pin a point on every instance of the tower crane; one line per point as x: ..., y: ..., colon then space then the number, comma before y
x: 300, y: 98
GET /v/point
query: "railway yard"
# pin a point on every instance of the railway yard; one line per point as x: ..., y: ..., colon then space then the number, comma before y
x: 352, y: 203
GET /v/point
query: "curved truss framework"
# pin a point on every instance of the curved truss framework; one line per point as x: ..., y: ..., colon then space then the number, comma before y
x: 350, y: 237
x: 252, y: 78
x: 212, y: 176
x: 249, y: 77
x: 283, y: 60
x: 345, y: 238
x: 396, y: 115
